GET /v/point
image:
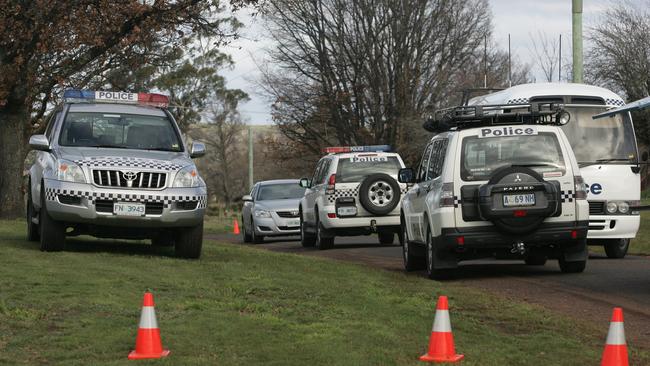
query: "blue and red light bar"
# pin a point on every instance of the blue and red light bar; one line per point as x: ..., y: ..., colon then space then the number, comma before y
x: 90, y: 96
x: 353, y: 149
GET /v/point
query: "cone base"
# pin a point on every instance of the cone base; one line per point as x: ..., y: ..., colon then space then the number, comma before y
x: 450, y: 359
x: 140, y: 356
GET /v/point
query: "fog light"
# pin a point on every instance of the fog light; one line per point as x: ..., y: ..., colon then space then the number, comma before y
x: 574, y: 234
x: 460, y: 240
x: 563, y: 118
x: 331, y: 215
x: 520, y: 213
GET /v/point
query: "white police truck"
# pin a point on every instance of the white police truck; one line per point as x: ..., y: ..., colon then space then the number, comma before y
x: 606, y: 150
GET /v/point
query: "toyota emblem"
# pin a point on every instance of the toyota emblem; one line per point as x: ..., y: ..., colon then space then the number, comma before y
x: 129, y: 177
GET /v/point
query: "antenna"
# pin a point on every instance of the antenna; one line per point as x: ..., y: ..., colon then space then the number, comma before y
x: 509, y: 64
x: 559, y: 70
x: 485, y: 62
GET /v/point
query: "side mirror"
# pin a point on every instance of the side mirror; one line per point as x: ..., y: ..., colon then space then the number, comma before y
x: 197, y: 150
x: 406, y: 175
x: 304, y: 183
x: 247, y: 198
x: 39, y: 142
x: 644, y: 156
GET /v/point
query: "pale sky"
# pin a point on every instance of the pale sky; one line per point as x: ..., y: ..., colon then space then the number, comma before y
x: 520, y: 18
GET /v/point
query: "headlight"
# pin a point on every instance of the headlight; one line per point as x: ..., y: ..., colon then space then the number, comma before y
x: 262, y: 213
x: 612, y: 207
x: 70, y: 172
x: 623, y: 207
x: 187, y: 177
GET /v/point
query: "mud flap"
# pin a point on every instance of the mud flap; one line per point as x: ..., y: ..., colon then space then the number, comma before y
x: 577, y: 252
x: 443, y: 257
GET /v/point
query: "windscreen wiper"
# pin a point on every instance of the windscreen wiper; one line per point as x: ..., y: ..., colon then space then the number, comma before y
x: 536, y: 164
x: 604, y: 161
x: 110, y: 146
x: 162, y: 149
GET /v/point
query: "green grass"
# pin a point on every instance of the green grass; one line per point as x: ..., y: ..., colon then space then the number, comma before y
x: 641, y: 244
x: 244, y: 306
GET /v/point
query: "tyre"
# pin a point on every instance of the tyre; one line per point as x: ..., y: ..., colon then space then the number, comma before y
x: 307, y: 239
x: 322, y: 243
x: 33, y: 233
x: 245, y: 233
x: 617, y: 248
x: 433, y: 272
x: 535, y: 260
x: 386, y: 237
x: 578, y: 253
x: 189, y: 241
x: 379, y: 194
x: 52, y: 232
x: 256, y: 239
x: 162, y: 241
x: 411, y: 262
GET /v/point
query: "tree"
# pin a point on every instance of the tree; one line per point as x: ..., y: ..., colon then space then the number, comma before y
x: 46, y: 45
x: 546, y: 53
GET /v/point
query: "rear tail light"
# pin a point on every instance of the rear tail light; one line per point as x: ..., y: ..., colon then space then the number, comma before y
x: 574, y: 234
x: 460, y: 240
x: 331, y: 184
x: 581, y: 188
x: 520, y: 213
x: 447, y: 195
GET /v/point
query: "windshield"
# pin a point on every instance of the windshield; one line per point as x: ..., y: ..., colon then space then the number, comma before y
x: 125, y: 131
x: 356, y: 168
x: 283, y: 191
x: 604, y: 140
x: 482, y: 156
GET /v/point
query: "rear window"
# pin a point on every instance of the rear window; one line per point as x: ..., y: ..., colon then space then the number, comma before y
x: 283, y: 191
x: 356, y: 168
x: 482, y: 156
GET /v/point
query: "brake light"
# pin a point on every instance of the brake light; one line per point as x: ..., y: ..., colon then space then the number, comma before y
x: 580, y: 187
x: 520, y: 213
x: 460, y: 240
x: 447, y: 195
x: 574, y: 234
x: 331, y: 183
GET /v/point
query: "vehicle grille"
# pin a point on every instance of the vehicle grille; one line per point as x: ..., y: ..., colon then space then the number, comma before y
x: 288, y: 214
x: 597, y: 224
x: 143, y: 180
x: 186, y: 205
x: 596, y: 208
x: 69, y: 200
x: 150, y: 208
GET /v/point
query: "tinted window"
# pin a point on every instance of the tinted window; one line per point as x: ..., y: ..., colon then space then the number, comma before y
x: 424, y: 163
x: 481, y: 157
x: 437, y: 159
x: 128, y: 131
x: 356, y: 168
x: 280, y: 191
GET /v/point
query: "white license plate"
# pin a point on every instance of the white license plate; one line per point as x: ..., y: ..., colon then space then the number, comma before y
x: 346, y: 211
x: 510, y: 200
x: 128, y: 209
x: 292, y: 223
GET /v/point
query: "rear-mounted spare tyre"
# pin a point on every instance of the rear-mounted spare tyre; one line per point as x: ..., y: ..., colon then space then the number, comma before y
x: 379, y: 194
x: 538, y: 199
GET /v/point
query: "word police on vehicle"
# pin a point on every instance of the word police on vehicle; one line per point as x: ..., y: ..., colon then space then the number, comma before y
x: 508, y: 131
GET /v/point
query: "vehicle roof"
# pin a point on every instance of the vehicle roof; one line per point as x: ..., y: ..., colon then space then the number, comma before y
x: 522, y: 93
x: 116, y: 108
x: 277, y: 181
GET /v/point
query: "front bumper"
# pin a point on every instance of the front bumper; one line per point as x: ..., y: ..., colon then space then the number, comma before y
x: 276, y: 225
x: 88, y: 204
x: 484, y: 237
x: 613, y: 226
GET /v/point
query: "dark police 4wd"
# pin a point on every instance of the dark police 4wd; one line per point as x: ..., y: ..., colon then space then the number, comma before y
x: 495, y: 180
x: 114, y: 165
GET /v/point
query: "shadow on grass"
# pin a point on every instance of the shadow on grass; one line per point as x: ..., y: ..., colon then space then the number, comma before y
x: 128, y: 247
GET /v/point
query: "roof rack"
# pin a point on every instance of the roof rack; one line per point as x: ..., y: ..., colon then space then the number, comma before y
x: 460, y: 117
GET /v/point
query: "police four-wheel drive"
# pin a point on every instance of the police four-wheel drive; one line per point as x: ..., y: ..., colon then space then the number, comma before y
x: 354, y: 191
x: 494, y: 181
x: 114, y: 165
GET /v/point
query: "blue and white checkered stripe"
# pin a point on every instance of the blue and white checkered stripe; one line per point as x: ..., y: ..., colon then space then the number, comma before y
x: 51, y: 193
x: 127, y: 162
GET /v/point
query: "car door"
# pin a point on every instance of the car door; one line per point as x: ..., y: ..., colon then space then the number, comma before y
x: 311, y: 194
x: 247, y: 210
x: 415, y: 196
x: 435, y: 185
x: 43, y: 158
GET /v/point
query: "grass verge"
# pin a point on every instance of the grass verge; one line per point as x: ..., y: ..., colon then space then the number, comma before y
x: 243, y: 306
x: 641, y: 244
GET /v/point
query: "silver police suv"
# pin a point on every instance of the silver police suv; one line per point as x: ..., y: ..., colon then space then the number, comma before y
x: 114, y: 165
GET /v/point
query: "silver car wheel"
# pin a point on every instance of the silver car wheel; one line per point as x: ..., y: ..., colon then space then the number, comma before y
x: 380, y: 193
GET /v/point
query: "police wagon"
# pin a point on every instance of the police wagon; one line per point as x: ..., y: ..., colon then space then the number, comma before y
x: 114, y: 165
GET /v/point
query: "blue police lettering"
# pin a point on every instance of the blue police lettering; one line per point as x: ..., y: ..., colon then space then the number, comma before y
x: 595, y: 188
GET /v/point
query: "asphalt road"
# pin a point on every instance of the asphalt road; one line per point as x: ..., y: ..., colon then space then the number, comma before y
x: 589, y: 296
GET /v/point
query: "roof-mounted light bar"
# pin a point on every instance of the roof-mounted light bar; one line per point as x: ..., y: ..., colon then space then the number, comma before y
x: 354, y: 149
x: 90, y: 96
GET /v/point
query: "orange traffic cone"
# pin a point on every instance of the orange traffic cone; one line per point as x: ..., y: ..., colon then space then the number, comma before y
x: 441, y: 343
x: 615, y: 353
x: 235, y: 226
x: 147, y: 342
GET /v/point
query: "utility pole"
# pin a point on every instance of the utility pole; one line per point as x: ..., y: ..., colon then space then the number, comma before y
x: 559, y: 69
x: 250, y: 157
x: 577, y: 41
x: 509, y: 65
